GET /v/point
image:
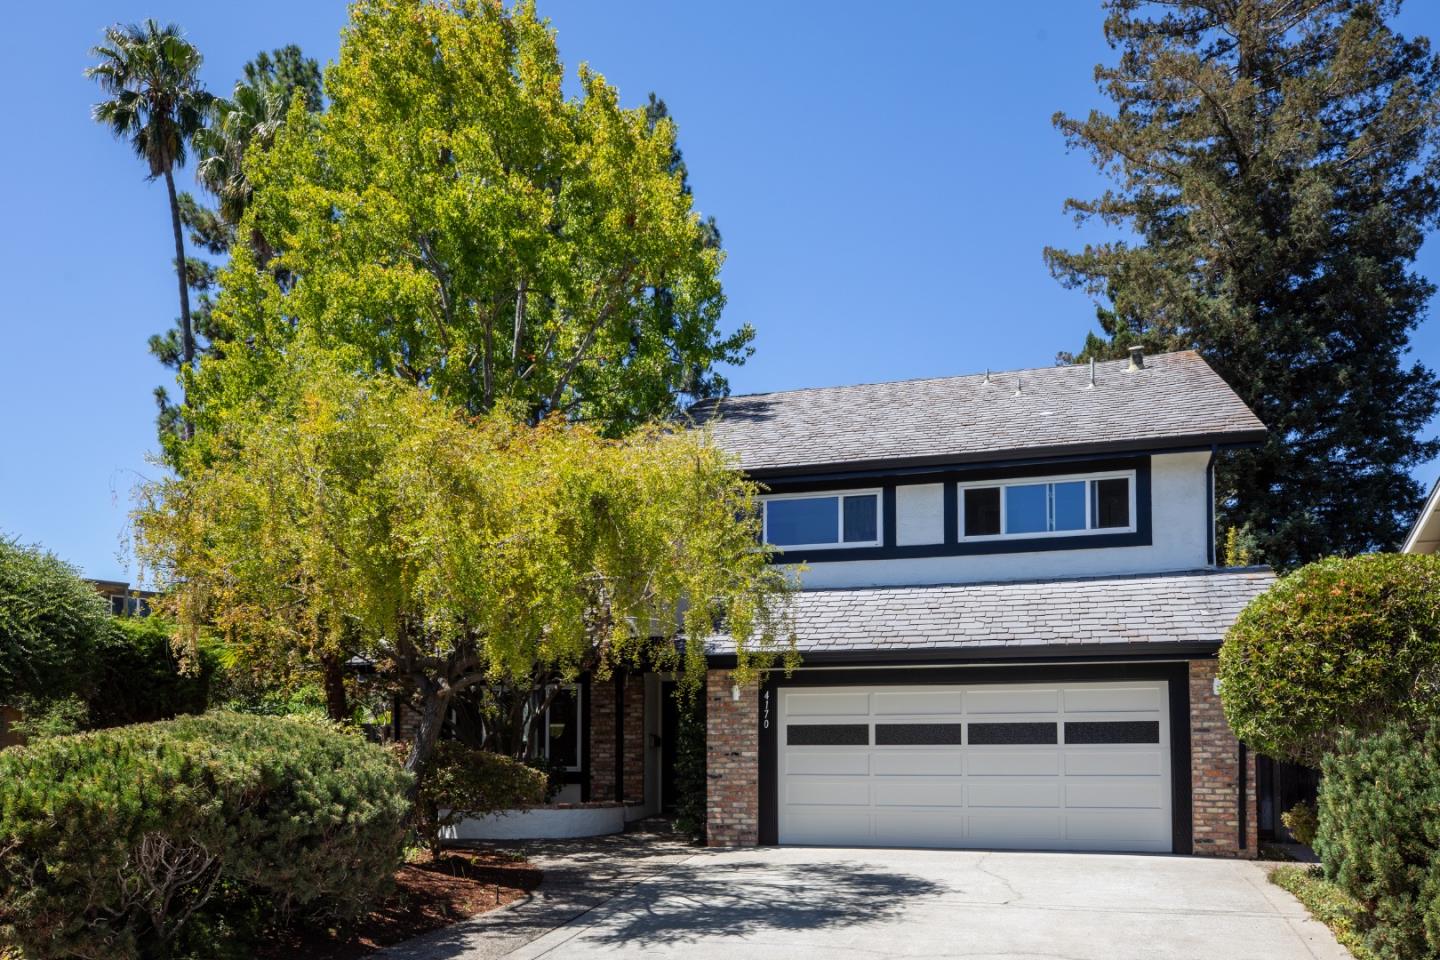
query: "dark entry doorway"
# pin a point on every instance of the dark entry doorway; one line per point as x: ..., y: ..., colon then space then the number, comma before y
x: 669, y: 728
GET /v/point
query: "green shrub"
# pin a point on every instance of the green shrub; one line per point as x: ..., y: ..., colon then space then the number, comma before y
x: 1342, y: 643
x: 1327, y: 903
x: 112, y: 841
x: 1302, y: 821
x: 50, y: 620
x: 137, y: 678
x: 1379, y: 836
x: 690, y: 780
x: 466, y: 782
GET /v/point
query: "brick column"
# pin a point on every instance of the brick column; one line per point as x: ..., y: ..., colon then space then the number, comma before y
x: 634, y: 734
x: 1215, y: 773
x: 732, y: 763
x: 602, y: 739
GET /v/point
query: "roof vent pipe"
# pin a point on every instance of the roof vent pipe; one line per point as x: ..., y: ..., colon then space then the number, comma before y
x: 1137, y: 358
x: 1092, y: 372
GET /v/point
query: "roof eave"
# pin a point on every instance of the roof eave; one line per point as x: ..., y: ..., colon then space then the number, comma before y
x: 1190, y: 442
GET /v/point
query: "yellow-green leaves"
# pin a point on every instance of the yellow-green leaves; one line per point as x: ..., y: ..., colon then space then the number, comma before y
x: 465, y: 225
x: 353, y: 511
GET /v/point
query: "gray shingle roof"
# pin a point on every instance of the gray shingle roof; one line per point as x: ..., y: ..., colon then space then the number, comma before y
x: 1185, y: 608
x: 1175, y: 398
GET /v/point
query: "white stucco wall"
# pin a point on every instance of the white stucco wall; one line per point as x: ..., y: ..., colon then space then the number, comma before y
x: 1179, y: 515
x: 919, y: 514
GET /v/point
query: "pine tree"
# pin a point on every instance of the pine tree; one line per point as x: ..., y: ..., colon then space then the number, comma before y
x: 1276, y: 163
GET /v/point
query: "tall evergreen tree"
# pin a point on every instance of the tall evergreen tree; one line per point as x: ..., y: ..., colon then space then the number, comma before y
x: 1276, y: 163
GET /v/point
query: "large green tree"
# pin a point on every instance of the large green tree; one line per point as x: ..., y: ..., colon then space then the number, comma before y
x: 474, y: 230
x: 51, y: 622
x: 151, y: 75
x: 1275, y: 164
x: 357, y: 513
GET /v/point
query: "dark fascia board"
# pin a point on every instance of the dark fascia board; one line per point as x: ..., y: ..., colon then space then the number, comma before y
x: 884, y: 656
x: 904, y: 466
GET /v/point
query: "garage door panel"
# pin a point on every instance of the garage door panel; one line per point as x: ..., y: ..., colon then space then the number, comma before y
x: 922, y: 793
x: 918, y: 703
x: 827, y: 791
x: 1128, y: 792
x: 1000, y: 700
x: 1016, y: 763
x: 917, y: 763
x: 1082, y: 766
x: 826, y: 825
x: 1007, y: 792
x: 1107, y: 699
x: 1113, y: 763
x: 1114, y: 830
x: 827, y: 764
x: 1015, y: 829
x: 919, y: 828
x: 827, y: 704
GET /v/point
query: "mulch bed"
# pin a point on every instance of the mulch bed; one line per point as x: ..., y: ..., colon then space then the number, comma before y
x: 428, y: 895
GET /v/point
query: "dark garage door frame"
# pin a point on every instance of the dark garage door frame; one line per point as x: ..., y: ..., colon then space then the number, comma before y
x: 1175, y: 674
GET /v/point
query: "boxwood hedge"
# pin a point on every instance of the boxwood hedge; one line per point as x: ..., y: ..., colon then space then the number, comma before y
x: 112, y: 841
x: 1343, y: 643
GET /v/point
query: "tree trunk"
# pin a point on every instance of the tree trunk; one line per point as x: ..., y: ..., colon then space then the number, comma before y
x: 187, y: 334
x: 337, y: 705
x: 434, y: 702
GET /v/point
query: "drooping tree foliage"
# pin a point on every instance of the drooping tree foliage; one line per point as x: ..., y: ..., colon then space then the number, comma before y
x: 359, y: 514
x: 475, y: 231
x: 1276, y: 163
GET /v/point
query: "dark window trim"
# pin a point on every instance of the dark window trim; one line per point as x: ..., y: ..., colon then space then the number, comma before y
x: 1142, y: 536
x: 1176, y: 675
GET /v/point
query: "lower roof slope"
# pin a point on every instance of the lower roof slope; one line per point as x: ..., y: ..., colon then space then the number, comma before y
x: 1190, y: 608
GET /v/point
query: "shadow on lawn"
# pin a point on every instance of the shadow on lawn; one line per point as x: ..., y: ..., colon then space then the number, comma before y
x: 704, y: 899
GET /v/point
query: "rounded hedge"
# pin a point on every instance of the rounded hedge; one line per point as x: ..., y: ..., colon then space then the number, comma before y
x: 1379, y: 836
x: 111, y: 840
x: 465, y: 782
x: 1343, y: 643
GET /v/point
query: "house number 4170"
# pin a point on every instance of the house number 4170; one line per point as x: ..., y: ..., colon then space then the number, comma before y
x: 766, y: 714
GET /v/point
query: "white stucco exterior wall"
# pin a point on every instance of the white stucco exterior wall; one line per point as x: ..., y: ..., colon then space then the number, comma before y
x: 1179, y: 515
x: 919, y: 514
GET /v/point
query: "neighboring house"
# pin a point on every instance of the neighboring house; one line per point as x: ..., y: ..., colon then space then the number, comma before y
x: 1424, y: 537
x: 123, y: 600
x: 1008, y: 625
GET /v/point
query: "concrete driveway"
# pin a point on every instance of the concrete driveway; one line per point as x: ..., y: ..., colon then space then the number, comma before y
x: 790, y: 903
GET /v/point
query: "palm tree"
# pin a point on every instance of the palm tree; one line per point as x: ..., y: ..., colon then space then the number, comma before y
x: 151, y: 74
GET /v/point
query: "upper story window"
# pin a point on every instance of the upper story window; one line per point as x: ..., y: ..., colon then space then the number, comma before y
x: 817, y: 521
x: 1048, y: 506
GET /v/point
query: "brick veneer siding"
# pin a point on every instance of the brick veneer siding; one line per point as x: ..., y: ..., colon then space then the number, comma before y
x: 732, y: 763
x: 602, y: 739
x: 1214, y: 773
x: 634, y: 770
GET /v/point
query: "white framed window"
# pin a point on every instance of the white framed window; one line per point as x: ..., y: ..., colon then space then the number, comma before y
x: 562, y: 728
x: 823, y: 521
x: 1059, y: 506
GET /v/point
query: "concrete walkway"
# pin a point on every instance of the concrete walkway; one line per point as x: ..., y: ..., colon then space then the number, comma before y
x: 792, y: 903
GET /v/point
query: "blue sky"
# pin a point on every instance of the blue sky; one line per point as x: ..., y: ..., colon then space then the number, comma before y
x: 884, y: 176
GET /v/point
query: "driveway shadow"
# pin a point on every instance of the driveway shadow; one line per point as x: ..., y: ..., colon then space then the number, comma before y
x: 704, y: 899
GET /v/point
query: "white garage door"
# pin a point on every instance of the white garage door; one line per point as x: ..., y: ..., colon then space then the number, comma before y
x: 1082, y: 766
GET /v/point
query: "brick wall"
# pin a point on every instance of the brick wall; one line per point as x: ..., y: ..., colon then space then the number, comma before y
x: 732, y: 763
x: 634, y: 772
x: 1215, y: 771
x: 602, y: 739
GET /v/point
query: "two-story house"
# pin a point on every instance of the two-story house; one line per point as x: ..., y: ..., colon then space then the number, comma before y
x: 1009, y: 620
